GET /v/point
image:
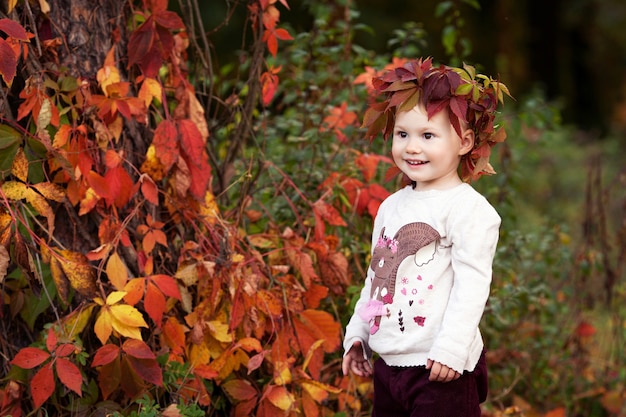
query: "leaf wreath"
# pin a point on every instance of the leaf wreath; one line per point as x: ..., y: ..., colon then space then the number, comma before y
x: 468, y: 97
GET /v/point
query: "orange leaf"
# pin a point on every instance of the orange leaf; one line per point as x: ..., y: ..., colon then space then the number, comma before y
x: 314, y: 295
x: 154, y: 303
x: 30, y: 357
x: 135, y: 289
x: 99, y: 184
x: 174, y: 335
x: 69, y: 375
x: 557, y: 412
x: 280, y: 397
x: 42, y: 385
x: 149, y: 189
x: 323, y: 326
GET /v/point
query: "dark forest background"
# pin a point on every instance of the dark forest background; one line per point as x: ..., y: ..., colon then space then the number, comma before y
x: 574, y: 51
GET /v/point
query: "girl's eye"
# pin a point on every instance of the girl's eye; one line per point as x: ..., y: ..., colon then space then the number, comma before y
x: 402, y: 134
x: 428, y: 135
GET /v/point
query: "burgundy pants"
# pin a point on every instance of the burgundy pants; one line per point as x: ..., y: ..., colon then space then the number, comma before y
x: 407, y: 392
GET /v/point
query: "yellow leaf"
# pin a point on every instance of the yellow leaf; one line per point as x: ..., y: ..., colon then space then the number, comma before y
x: 108, y: 74
x: 20, y: 165
x: 50, y: 191
x: 14, y: 190
x: 115, y: 297
x: 44, y: 6
x: 220, y: 331
x: 319, y: 391
x: 41, y: 206
x: 4, y: 262
x: 188, y: 274
x: 280, y: 397
x: 103, y: 326
x: 209, y: 210
x: 60, y: 280
x: 196, y: 114
x: 117, y: 272
x: 74, y: 323
x: 79, y: 272
x: 11, y: 5
x: 45, y: 115
x: 150, y: 89
x: 126, y: 320
x: 199, y: 354
x: 310, y: 353
x: 282, y: 372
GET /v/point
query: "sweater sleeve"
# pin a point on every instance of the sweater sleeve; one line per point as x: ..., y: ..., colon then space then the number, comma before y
x: 474, y: 230
x: 357, y: 328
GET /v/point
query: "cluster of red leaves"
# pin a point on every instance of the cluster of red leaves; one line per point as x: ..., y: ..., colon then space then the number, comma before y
x: 243, y: 313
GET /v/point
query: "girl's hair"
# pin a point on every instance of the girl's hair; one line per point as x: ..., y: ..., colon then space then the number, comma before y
x: 467, y: 96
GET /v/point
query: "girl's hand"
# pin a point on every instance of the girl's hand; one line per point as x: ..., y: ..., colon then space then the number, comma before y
x: 440, y: 372
x: 356, y: 361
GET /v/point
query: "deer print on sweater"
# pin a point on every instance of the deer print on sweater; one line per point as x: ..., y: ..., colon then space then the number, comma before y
x: 387, y: 256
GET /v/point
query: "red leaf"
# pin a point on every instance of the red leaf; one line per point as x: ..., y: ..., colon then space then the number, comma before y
x: 585, y: 329
x: 109, y: 377
x: 120, y: 185
x: 194, y: 153
x: 8, y: 62
x: 169, y: 20
x: 239, y: 389
x: 167, y: 284
x: 65, y: 349
x: 29, y: 357
x: 69, y: 375
x: 42, y: 385
x: 141, y: 42
x: 51, y: 340
x: 13, y: 29
x: 166, y: 143
x: 269, y: 85
x: 138, y: 349
x: 105, y: 355
x: 328, y: 213
x: 282, y: 34
x: 147, y: 369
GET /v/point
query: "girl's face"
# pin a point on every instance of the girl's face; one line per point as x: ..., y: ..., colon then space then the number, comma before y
x: 429, y: 151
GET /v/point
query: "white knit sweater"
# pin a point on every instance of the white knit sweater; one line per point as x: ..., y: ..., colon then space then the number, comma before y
x: 429, y: 278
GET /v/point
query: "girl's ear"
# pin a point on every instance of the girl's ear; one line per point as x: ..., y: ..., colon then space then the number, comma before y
x: 467, y: 141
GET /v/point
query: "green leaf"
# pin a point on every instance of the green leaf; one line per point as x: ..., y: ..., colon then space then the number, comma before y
x: 10, y: 141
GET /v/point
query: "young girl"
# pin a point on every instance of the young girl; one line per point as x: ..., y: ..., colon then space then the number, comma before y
x: 433, y: 245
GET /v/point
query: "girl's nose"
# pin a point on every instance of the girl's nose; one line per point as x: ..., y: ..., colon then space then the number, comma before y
x: 413, y: 145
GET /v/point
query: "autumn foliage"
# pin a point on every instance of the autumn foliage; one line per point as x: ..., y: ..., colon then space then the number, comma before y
x: 128, y: 276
